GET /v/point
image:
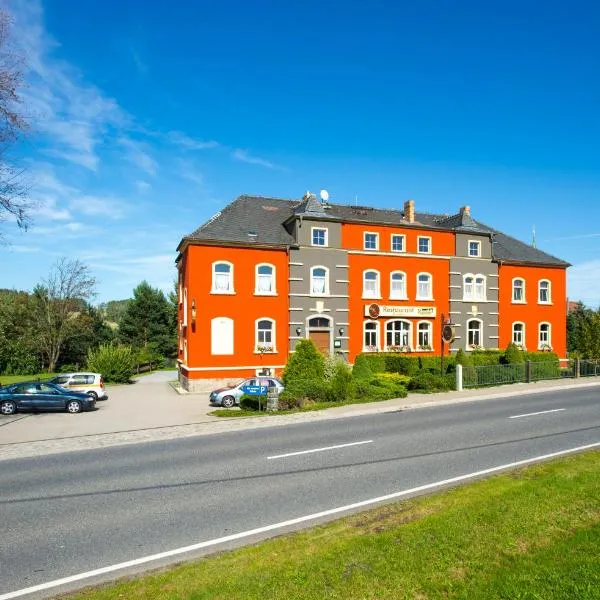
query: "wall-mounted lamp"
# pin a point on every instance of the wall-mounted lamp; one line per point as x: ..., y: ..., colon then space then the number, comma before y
x: 341, y: 330
x: 193, y: 313
x: 298, y: 330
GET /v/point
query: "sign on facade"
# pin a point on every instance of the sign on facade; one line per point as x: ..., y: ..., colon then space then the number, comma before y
x: 378, y: 310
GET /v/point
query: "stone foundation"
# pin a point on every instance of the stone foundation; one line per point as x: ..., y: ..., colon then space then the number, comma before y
x: 205, y: 386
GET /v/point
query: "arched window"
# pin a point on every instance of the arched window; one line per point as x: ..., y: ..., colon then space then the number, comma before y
x: 185, y: 308
x: 544, y: 296
x: 398, y: 334
x: 398, y: 285
x: 222, y: 278
x: 474, y: 287
x: 371, y: 284
x: 319, y: 323
x: 424, y: 287
x: 319, y: 281
x: 265, y: 280
x: 545, y: 336
x: 518, y: 334
x: 479, y: 292
x: 371, y: 336
x: 424, y: 338
x: 264, y: 338
x: 518, y: 290
x: 468, y: 289
x: 474, y: 334
x: 221, y: 336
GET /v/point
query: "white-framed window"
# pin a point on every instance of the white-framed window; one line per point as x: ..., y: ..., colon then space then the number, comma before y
x: 180, y: 288
x: 424, y: 245
x: 265, y: 280
x: 371, y: 241
x: 468, y: 286
x: 545, y: 336
x: 518, y: 290
x: 398, y: 285
x: 474, y: 334
x: 474, y: 287
x: 264, y: 335
x: 424, y: 286
x: 398, y: 335
x: 221, y: 336
x: 474, y: 248
x: 319, y: 281
x: 424, y: 337
x: 371, y: 284
x: 518, y: 334
x: 479, y: 289
x: 222, y: 278
x: 544, y: 292
x: 398, y: 243
x: 185, y: 352
x: 319, y: 236
x: 185, y: 308
x: 370, y: 336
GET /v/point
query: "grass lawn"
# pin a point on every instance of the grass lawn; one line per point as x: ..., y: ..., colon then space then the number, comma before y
x: 10, y: 379
x: 529, y: 534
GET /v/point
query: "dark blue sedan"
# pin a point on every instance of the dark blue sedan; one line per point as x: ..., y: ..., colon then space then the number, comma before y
x: 42, y: 396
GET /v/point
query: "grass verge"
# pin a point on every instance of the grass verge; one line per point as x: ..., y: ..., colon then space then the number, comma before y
x: 529, y: 534
x: 10, y: 379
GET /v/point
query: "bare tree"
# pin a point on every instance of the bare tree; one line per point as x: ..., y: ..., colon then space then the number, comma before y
x: 14, y: 198
x: 57, y: 303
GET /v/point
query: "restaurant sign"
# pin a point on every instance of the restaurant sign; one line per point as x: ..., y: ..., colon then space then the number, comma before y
x: 378, y: 310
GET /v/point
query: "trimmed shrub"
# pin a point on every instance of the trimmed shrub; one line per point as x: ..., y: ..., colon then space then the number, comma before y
x: 361, y: 368
x: 462, y: 358
x: 375, y: 360
x: 252, y: 402
x: 542, y: 357
x: 400, y: 363
x: 341, y: 383
x: 512, y: 355
x: 114, y: 363
x: 428, y: 382
x: 306, y: 363
x: 299, y: 393
x: 481, y: 358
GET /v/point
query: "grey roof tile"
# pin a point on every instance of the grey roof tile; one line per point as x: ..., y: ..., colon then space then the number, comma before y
x: 260, y: 220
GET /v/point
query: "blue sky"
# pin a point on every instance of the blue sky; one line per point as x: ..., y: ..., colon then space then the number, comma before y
x: 148, y: 118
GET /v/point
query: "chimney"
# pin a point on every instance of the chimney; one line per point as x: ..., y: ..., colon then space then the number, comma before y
x: 465, y: 210
x: 409, y: 211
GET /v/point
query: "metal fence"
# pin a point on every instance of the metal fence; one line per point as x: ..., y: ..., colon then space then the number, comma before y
x: 526, y: 372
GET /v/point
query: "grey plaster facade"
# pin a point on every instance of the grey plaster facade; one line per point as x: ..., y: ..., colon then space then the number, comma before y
x: 464, y: 308
x: 305, y: 305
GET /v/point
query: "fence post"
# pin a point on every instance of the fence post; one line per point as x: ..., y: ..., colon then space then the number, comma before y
x: 459, y: 378
x: 528, y: 371
x: 577, y: 368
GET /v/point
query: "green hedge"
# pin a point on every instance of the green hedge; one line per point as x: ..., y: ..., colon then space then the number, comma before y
x: 252, y: 402
x: 393, y: 362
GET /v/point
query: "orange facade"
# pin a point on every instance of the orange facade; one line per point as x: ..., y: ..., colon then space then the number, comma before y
x: 543, y: 300
x: 411, y: 266
x: 244, y: 304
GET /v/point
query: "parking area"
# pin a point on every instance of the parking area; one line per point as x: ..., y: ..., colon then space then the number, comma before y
x: 150, y: 403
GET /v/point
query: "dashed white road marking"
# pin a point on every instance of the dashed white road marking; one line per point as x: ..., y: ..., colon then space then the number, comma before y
x: 320, y: 449
x: 542, y: 412
x: 273, y: 527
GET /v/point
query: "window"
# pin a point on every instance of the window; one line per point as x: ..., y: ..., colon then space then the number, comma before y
x: 398, y: 285
x: 424, y: 335
x: 519, y: 290
x: 371, y: 241
x: 468, y: 288
x: 544, y: 292
x: 180, y: 288
x: 222, y: 280
x: 424, y: 286
x: 185, y: 308
x: 474, y: 287
x: 398, y: 242
x: 479, y: 292
x: 371, y: 284
x: 544, y: 337
x: 518, y: 334
x: 474, y: 336
x: 319, y: 281
x: 319, y: 236
x: 371, y: 337
x: 265, y: 280
x: 318, y: 323
x: 265, y: 335
x: 474, y: 248
x: 424, y: 245
x: 397, y: 335
x: 221, y: 336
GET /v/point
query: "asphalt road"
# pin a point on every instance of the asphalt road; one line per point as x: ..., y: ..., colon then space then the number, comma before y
x: 67, y: 514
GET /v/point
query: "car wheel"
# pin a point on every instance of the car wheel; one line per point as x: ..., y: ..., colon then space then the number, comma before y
x: 228, y: 402
x: 8, y: 407
x: 74, y: 406
x: 93, y: 396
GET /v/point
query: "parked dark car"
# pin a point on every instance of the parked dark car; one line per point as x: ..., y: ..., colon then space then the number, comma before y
x: 42, y: 396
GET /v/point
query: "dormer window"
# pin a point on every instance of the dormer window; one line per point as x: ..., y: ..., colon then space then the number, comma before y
x: 474, y: 249
x: 319, y: 236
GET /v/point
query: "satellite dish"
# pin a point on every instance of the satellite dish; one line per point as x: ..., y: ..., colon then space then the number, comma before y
x: 324, y: 195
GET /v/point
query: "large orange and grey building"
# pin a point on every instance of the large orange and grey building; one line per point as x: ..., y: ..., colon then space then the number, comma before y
x: 265, y: 273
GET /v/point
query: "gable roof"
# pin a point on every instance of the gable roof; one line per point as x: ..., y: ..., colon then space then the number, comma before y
x: 259, y: 220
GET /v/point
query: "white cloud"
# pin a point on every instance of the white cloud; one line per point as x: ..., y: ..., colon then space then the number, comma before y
x: 142, y: 186
x: 137, y: 154
x: 244, y: 156
x: 188, y: 170
x: 98, y: 205
x: 584, y: 283
x: 24, y: 249
x: 185, y: 141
